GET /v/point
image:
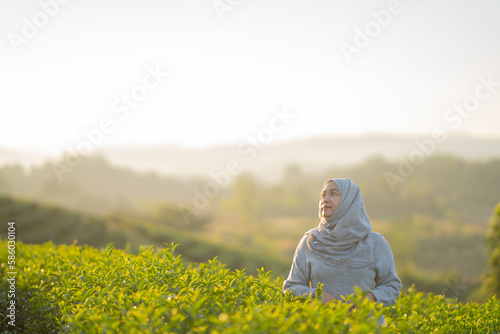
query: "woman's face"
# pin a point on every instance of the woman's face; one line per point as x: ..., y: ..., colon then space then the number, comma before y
x: 329, y: 199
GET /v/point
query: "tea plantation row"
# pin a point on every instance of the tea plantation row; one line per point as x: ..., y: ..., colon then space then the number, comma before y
x: 74, y: 289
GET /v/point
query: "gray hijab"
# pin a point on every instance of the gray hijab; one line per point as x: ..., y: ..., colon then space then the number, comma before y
x: 343, y: 237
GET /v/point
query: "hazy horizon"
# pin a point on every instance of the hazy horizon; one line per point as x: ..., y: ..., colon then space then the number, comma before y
x: 277, y: 141
x: 311, y: 155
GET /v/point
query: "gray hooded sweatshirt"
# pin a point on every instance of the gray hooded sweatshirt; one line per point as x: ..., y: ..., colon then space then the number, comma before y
x: 342, y: 252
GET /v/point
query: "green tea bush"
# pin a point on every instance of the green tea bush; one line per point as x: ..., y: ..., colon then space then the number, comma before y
x: 75, y: 289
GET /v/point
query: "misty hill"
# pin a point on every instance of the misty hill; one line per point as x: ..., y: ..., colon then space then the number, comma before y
x: 267, y: 161
x: 313, y: 155
x: 443, y: 186
x: 37, y: 223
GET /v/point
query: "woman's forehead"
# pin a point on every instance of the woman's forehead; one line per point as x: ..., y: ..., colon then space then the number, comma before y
x: 330, y: 186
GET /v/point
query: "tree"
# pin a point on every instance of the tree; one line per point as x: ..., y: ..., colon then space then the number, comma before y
x: 494, y: 243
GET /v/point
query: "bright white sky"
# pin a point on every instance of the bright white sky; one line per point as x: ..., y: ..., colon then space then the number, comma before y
x: 227, y: 75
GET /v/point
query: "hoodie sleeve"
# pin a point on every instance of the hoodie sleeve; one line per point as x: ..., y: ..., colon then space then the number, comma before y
x: 298, y: 280
x: 387, y: 282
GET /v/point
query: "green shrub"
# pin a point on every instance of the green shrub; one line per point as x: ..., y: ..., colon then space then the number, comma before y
x: 75, y: 289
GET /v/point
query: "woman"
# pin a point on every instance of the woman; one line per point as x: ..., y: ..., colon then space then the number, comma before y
x: 342, y: 252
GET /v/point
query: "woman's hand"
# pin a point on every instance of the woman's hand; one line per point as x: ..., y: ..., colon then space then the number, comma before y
x: 371, y: 297
x: 368, y: 296
x: 326, y: 297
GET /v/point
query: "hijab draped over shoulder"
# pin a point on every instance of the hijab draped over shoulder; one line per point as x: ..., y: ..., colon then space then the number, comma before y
x: 344, y: 236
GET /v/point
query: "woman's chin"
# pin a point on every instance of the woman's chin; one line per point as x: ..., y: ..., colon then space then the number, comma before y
x: 326, y: 215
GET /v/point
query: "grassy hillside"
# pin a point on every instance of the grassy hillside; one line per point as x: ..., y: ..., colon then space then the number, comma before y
x: 40, y: 223
x: 71, y: 289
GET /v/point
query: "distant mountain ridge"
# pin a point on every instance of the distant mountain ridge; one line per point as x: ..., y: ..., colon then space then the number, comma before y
x: 268, y: 161
x: 312, y: 154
